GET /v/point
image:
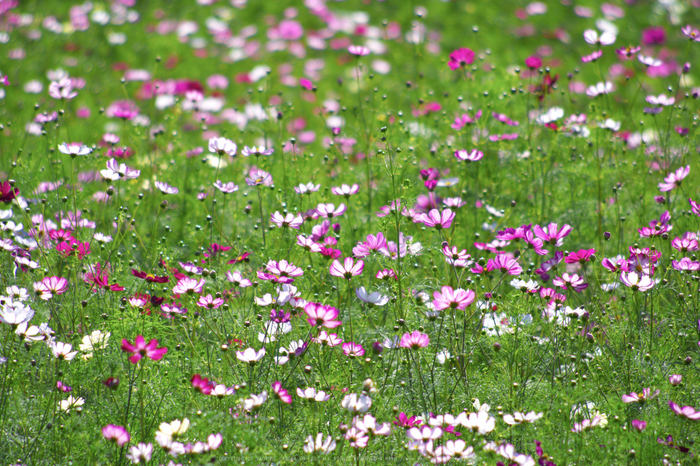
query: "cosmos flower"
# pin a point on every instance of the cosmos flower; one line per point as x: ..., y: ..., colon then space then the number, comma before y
x: 118, y: 434
x: 358, y: 50
x: 74, y: 149
x: 461, y: 58
x: 673, y: 180
x: 165, y: 188
x: 447, y: 298
x: 250, y: 356
x: 638, y: 282
x: 257, y: 177
x: 640, y: 397
x: 319, y: 444
x: 256, y: 151
x: 347, y: 269
x: 436, y: 219
x: 226, y: 188
x: 222, y: 146
x: 140, y: 348
x: 287, y: 221
x: 415, y: 340
x: 281, y: 393
x: 321, y: 315
x: 469, y: 156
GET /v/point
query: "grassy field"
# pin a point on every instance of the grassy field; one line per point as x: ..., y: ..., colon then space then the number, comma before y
x: 349, y: 232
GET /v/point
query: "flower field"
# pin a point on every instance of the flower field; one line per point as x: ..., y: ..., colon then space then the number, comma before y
x: 349, y: 232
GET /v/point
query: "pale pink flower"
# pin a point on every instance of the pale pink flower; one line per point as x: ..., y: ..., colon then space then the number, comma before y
x: 347, y: 269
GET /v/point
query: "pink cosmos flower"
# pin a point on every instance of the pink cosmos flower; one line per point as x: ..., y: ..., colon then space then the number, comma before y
x: 187, y: 285
x: 222, y: 146
x: 330, y: 211
x: 284, y: 268
x: 308, y: 243
x: 256, y: 151
x: 675, y: 379
x: 49, y: 286
x: 326, y: 339
x: 345, y: 190
x: 386, y: 274
x: 638, y: 282
x: 415, y: 340
x: 307, y: 188
x: 358, y: 50
x: 570, y: 281
x: 287, y: 221
x: 646, y: 395
x: 639, y: 425
x: 165, y: 188
x: 454, y: 202
x: 116, y: 171
x: 353, y: 350
x: 552, y: 234
x: 686, y: 411
x: 691, y: 33
x: 347, y: 269
x: 116, y: 433
x: 460, y: 58
x: 139, y: 349
x: 694, y: 207
x: 62, y: 89
x: 685, y: 244
x: 281, y: 392
x: 454, y: 257
x: 464, y: 119
x: 453, y: 299
x: 437, y: 219
x: 226, y: 188
x: 321, y: 315
x: 209, y: 302
x: 505, y: 264
x: 257, y: 177
x: 673, y: 180
x: 685, y: 264
x: 465, y: 156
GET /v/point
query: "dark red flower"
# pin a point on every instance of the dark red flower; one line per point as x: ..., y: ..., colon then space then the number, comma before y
x: 149, y: 277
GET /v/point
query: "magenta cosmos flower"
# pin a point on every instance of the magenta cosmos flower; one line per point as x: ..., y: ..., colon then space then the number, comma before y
x: 347, y: 269
x: 461, y: 57
x: 139, y: 349
x: 116, y: 433
x: 321, y: 315
x: 281, y: 393
x: 415, y: 340
x: 533, y: 62
x: 453, y: 299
